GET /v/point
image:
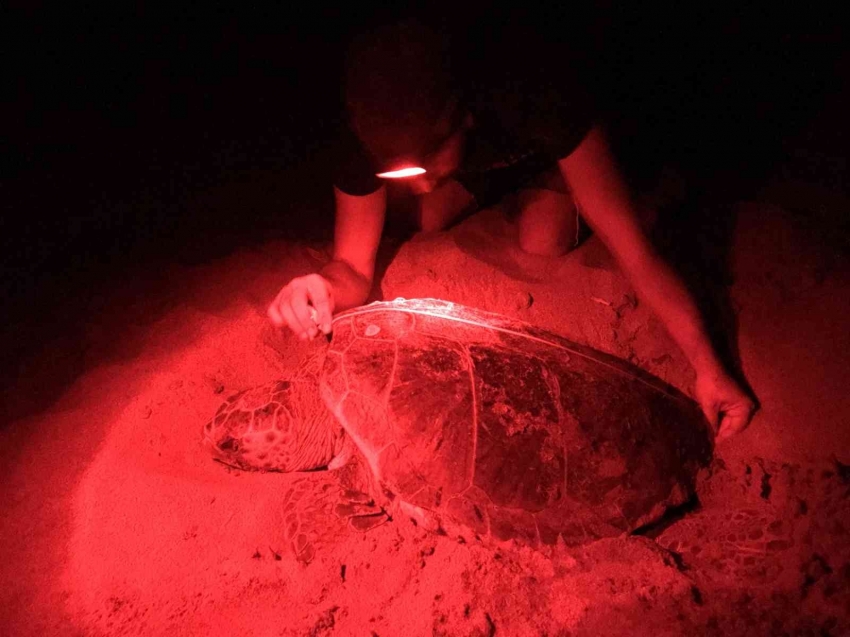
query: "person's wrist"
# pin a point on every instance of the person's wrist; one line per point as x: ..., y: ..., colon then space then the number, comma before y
x: 340, y: 272
x: 707, y: 365
x: 348, y: 287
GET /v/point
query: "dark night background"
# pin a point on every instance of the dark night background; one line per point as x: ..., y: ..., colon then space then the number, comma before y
x: 124, y: 127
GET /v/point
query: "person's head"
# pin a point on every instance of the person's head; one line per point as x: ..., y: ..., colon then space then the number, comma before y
x: 402, y: 101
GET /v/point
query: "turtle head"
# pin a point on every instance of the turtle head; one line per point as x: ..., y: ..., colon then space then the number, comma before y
x: 282, y: 426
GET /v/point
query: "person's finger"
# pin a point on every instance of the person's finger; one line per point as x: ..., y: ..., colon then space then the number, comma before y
x: 737, y: 419
x: 319, y: 295
x: 301, y: 311
x: 273, y: 311
x: 294, y: 292
x: 722, y: 431
x: 729, y: 426
x: 291, y: 321
x: 711, y: 413
x: 274, y: 314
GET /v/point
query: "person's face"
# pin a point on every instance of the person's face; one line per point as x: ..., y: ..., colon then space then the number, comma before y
x: 439, y: 165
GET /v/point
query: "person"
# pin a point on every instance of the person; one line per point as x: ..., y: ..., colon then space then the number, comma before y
x: 462, y: 128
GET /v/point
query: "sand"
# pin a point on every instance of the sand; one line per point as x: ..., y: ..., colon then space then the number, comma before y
x: 117, y: 522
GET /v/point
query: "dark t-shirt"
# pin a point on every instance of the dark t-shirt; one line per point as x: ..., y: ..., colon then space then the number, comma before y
x: 528, y: 109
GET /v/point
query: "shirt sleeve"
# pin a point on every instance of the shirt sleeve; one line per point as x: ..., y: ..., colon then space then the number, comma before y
x: 354, y: 169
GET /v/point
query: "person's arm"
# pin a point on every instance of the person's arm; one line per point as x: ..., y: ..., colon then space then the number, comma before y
x: 606, y: 204
x: 307, y: 304
x: 357, y: 233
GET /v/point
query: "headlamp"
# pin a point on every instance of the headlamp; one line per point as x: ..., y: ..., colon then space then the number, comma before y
x: 402, y: 173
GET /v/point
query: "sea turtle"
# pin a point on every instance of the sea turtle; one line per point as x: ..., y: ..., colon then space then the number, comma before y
x: 476, y: 424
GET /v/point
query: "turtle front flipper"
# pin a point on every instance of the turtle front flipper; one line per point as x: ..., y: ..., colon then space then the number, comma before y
x: 281, y: 426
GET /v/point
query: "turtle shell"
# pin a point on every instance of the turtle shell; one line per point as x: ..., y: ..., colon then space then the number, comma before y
x: 507, y: 430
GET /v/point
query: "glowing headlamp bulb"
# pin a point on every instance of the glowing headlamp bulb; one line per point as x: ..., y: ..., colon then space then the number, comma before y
x: 402, y: 173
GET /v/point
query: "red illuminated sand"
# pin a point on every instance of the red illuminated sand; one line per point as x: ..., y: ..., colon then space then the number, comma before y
x: 117, y: 522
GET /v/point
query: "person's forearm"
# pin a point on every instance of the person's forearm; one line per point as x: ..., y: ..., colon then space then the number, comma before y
x: 357, y: 233
x: 358, y: 228
x: 350, y: 288
x: 606, y: 204
x: 666, y: 295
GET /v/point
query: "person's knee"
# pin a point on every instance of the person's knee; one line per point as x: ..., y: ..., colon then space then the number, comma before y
x: 430, y: 220
x: 442, y: 207
x: 548, y: 223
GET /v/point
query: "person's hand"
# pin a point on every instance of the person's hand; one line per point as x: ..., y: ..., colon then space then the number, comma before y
x: 305, y: 305
x: 725, y: 404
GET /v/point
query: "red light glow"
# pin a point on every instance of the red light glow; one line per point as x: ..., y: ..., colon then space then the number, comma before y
x: 402, y: 173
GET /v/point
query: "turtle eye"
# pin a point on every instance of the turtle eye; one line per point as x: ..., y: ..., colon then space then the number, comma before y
x: 229, y: 444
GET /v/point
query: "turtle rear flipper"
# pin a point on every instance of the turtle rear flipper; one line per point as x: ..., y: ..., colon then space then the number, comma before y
x: 356, y: 503
x: 362, y: 516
